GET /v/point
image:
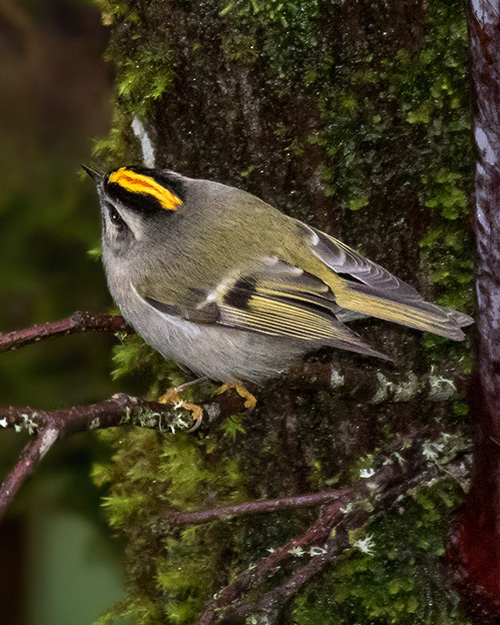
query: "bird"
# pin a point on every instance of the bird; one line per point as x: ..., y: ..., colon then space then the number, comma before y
x: 231, y: 288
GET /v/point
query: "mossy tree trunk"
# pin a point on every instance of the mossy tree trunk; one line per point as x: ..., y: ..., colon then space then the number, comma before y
x: 351, y: 116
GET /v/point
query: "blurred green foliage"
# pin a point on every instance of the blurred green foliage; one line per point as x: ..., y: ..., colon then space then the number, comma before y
x: 55, y: 92
x: 48, y: 218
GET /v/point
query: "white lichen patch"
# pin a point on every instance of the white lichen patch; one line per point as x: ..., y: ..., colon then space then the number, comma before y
x: 365, y: 545
x: 298, y: 552
x: 317, y: 551
x: 441, y: 388
x: 382, y: 392
x: 95, y: 424
x: 366, y: 473
x: 29, y: 423
x: 336, y: 379
x: 407, y: 390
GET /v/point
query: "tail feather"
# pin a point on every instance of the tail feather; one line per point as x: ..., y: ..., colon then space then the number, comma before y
x: 414, y: 313
x: 354, y: 343
x: 460, y: 318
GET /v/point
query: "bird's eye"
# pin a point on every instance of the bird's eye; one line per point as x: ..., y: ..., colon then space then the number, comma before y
x: 115, y: 217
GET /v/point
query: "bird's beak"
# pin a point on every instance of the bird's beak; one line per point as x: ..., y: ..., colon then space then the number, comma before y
x: 92, y: 173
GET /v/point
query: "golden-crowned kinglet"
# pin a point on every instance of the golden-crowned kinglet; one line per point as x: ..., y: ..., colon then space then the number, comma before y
x: 225, y: 284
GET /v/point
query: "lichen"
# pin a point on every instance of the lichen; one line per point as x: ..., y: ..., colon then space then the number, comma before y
x: 393, y: 573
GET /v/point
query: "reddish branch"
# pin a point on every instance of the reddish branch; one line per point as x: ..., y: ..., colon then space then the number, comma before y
x: 316, y: 534
x: 78, y: 323
x: 29, y: 457
x: 118, y: 411
x: 254, y: 507
x: 328, y: 534
x: 275, y: 600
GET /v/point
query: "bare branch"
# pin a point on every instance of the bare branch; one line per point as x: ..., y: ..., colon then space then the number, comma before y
x: 275, y: 600
x: 119, y: 410
x: 254, y: 507
x: 321, y: 542
x: 317, y: 533
x: 32, y: 453
x: 78, y: 323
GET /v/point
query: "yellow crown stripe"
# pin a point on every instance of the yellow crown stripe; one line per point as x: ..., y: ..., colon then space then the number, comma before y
x: 139, y: 183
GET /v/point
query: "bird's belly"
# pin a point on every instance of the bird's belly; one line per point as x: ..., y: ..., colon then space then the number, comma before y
x: 221, y: 353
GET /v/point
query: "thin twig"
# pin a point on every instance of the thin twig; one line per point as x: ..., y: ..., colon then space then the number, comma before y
x: 254, y: 507
x: 328, y: 534
x: 32, y: 453
x: 117, y: 411
x: 316, y: 534
x: 275, y: 600
x: 78, y: 323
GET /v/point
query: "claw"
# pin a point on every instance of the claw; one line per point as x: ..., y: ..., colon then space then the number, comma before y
x: 173, y: 397
x: 250, y: 400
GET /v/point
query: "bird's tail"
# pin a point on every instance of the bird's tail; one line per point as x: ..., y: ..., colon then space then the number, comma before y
x: 413, y: 312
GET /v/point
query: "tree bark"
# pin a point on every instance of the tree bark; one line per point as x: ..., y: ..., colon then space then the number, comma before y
x: 478, y: 540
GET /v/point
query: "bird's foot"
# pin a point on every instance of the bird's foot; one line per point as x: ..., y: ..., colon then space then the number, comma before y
x: 250, y: 400
x: 172, y: 396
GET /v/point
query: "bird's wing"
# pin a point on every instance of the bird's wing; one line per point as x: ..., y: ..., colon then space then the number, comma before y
x: 369, y: 289
x: 352, y: 265
x: 273, y: 298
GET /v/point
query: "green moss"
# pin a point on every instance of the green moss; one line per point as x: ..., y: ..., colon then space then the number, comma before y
x: 393, y: 572
x: 286, y: 32
x: 391, y: 121
x: 149, y: 476
x: 145, y: 67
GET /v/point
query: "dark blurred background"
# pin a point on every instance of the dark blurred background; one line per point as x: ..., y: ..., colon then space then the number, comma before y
x: 57, y: 563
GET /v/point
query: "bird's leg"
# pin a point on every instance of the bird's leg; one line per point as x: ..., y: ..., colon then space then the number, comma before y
x: 250, y: 400
x: 172, y: 396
